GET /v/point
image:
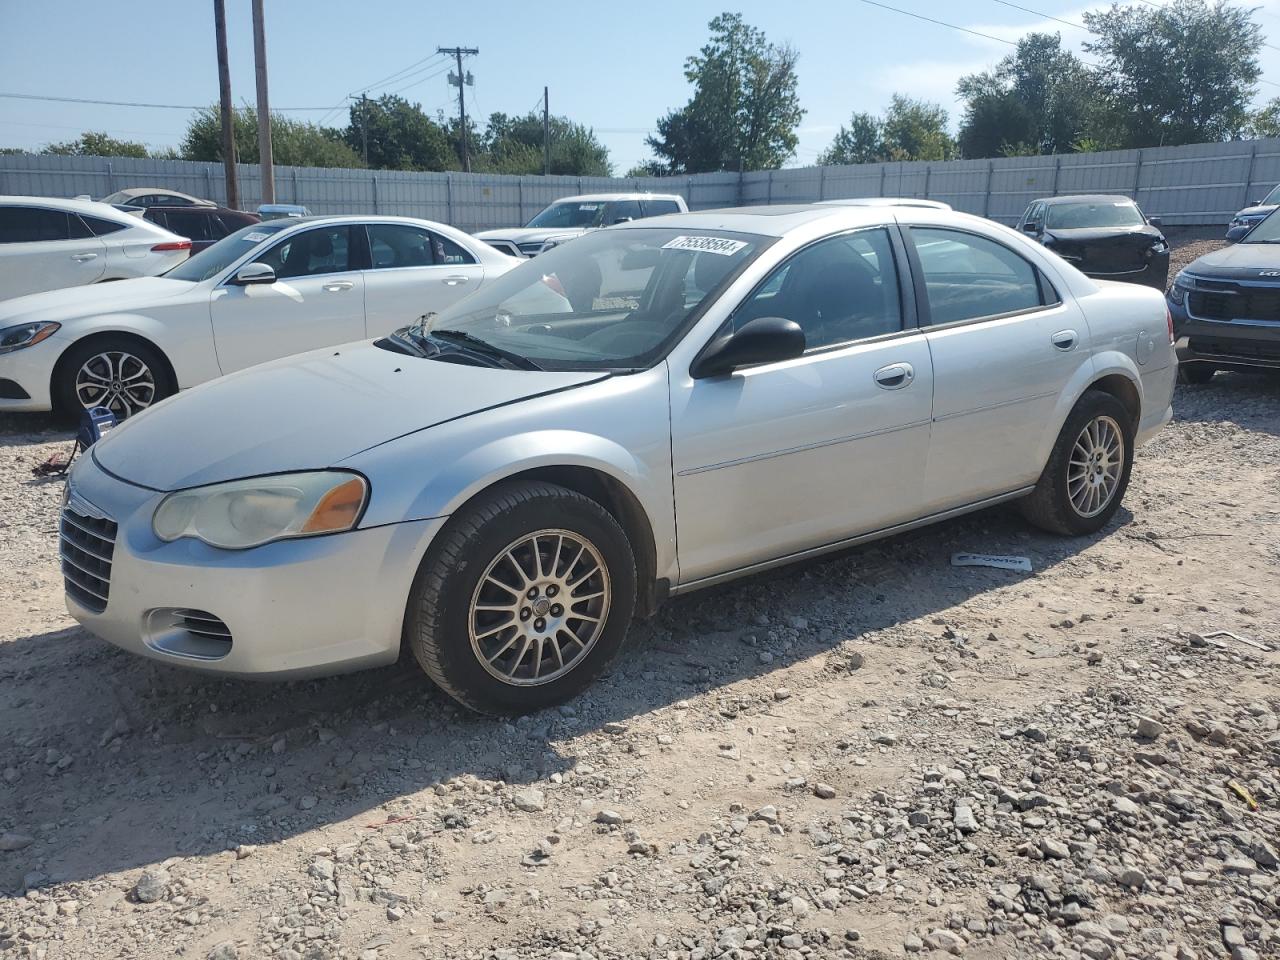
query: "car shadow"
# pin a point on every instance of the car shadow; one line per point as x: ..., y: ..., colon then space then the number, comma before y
x: 1246, y: 399
x: 112, y: 762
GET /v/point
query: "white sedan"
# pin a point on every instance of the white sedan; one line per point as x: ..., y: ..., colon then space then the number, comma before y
x: 46, y: 244
x: 266, y: 291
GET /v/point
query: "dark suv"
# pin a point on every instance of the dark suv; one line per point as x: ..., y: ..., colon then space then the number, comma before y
x: 1226, y: 307
x: 203, y: 226
x: 1101, y: 235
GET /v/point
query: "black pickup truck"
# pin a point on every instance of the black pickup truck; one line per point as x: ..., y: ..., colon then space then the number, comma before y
x: 1226, y: 307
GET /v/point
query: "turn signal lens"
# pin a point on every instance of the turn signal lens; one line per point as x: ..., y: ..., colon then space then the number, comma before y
x: 1168, y: 316
x: 171, y: 245
x: 337, y: 509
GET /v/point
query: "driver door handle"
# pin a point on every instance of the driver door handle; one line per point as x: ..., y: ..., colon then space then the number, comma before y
x: 1064, y: 340
x: 895, y: 376
x: 455, y: 280
x: 337, y: 286
x: 84, y: 257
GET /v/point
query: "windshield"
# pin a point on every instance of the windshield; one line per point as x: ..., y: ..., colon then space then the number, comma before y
x: 1118, y: 213
x: 1267, y: 231
x: 578, y: 213
x: 1272, y: 198
x: 611, y: 300
x: 211, y: 261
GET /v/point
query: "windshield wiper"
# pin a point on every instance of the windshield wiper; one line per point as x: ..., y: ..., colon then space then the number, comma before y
x: 485, y: 347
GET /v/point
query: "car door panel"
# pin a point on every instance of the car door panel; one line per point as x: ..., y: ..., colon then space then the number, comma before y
x: 413, y: 271
x: 321, y: 305
x: 39, y: 251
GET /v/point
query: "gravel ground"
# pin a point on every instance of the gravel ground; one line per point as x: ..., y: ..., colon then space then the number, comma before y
x: 870, y: 756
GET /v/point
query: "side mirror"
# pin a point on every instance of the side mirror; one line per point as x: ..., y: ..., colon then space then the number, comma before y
x: 763, y: 340
x: 253, y: 273
x: 1031, y: 228
x: 624, y: 219
x: 1155, y: 221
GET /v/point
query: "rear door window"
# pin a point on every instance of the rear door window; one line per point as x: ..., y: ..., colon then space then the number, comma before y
x: 968, y: 277
x: 102, y: 227
x: 656, y: 208
x: 624, y: 210
x: 193, y: 226
x: 32, y: 225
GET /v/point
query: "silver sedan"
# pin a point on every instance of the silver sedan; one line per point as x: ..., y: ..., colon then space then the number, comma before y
x: 648, y: 410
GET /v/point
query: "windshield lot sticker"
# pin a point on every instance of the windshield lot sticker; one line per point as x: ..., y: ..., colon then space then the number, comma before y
x: 718, y: 245
x: 255, y: 237
x: 588, y: 206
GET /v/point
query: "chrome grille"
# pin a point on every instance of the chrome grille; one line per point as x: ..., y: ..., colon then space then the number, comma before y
x: 86, y: 545
x: 198, y: 623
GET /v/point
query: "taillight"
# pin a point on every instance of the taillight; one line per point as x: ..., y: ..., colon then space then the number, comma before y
x: 171, y: 245
x: 1168, y: 317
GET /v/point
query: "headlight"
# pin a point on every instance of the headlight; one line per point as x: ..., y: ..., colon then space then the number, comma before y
x: 549, y: 244
x: 26, y: 335
x: 1182, y: 285
x: 249, y: 513
x: 1160, y: 246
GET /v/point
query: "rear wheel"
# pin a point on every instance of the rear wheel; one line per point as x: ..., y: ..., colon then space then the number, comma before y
x: 1088, y: 470
x: 1196, y: 372
x: 523, y: 600
x: 124, y: 375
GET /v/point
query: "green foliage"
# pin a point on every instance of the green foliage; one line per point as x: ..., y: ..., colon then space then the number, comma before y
x: 95, y: 144
x: 1181, y: 73
x: 909, y: 130
x: 744, y: 111
x: 1266, y: 121
x: 294, y: 143
x: 514, y: 145
x: 1039, y: 99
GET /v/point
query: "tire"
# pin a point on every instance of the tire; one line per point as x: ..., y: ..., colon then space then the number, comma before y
x: 455, y: 620
x: 1195, y: 372
x: 1061, y: 502
x: 139, y: 370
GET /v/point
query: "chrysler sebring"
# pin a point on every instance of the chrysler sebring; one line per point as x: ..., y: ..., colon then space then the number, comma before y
x: 650, y: 409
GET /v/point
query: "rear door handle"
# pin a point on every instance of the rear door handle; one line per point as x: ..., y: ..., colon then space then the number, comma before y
x: 337, y: 286
x: 84, y: 257
x: 895, y: 376
x: 455, y: 280
x: 1064, y: 340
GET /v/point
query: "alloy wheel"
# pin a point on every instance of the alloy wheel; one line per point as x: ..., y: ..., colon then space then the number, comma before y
x: 117, y: 380
x: 1095, y: 466
x: 540, y: 607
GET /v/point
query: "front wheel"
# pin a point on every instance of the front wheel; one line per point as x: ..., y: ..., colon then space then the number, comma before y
x: 1195, y: 372
x: 523, y: 600
x: 1088, y: 470
x: 118, y: 373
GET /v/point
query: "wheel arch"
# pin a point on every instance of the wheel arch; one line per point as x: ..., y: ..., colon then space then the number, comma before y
x: 100, y: 336
x: 1112, y: 373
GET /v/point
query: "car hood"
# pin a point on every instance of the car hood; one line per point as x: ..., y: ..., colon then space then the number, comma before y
x: 1145, y: 235
x: 1240, y: 261
x: 1261, y: 211
x: 527, y: 235
x: 307, y: 412
x: 118, y: 296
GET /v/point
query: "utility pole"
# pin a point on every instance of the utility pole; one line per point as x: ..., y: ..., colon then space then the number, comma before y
x: 546, y: 132
x: 462, y: 81
x: 224, y: 103
x: 364, y: 126
x: 265, y: 164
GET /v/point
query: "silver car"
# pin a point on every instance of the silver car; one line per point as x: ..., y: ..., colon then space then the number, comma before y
x: 648, y: 410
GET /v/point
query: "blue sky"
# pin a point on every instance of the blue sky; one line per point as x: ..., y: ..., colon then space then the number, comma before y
x: 615, y: 67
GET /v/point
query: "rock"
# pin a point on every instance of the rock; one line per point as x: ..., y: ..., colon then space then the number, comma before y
x: 945, y: 940
x: 307, y: 802
x: 1126, y: 806
x: 1131, y: 877
x: 610, y: 817
x: 1264, y: 855
x: 792, y: 941
x: 321, y: 868
x: 614, y: 728
x: 824, y: 791
x: 1243, y: 953
x: 731, y: 938
x: 963, y: 818
x: 766, y: 814
x: 224, y: 951
x: 152, y: 886
x: 782, y: 693
x: 1054, y: 849
x: 10, y: 842
x: 530, y: 801
x: 885, y: 739
x: 395, y: 913
x: 1149, y: 729
x: 912, y: 944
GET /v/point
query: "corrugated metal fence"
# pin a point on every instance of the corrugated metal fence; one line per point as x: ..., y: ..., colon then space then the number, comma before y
x: 1196, y: 184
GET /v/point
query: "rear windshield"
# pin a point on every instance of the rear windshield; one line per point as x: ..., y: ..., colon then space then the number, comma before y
x: 1117, y: 213
x: 213, y: 260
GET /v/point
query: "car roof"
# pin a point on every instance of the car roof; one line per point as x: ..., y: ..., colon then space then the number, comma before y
x: 201, y: 209
x: 92, y: 208
x: 770, y: 221
x: 886, y: 202
x: 613, y: 197
x: 160, y: 191
x: 1086, y: 198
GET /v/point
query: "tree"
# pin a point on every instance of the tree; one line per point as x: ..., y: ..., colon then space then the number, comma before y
x: 1181, y: 73
x: 857, y: 143
x: 1266, y: 121
x: 744, y: 110
x: 294, y: 143
x: 909, y: 130
x: 95, y: 144
x: 1039, y: 99
x: 399, y: 136
x: 514, y: 145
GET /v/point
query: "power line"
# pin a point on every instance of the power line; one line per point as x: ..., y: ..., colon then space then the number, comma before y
x: 941, y: 23
x: 1069, y: 23
x: 131, y: 103
x: 397, y: 76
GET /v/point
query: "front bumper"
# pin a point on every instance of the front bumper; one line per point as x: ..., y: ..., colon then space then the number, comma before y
x: 303, y: 607
x: 1154, y: 274
x: 1226, y: 344
x: 30, y: 370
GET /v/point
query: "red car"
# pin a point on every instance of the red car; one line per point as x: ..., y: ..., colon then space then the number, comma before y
x: 203, y: 226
